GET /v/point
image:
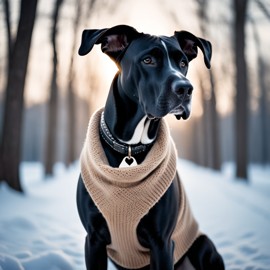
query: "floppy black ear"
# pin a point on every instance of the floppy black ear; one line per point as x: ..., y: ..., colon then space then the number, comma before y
x: 114, y: 41
x: 189, y: 43
x: 89, y: 39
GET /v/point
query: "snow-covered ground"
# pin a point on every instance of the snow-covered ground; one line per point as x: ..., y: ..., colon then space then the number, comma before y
x: 41, y: 230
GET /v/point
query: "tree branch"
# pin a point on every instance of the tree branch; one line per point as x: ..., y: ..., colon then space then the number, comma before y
x: 263, y: 8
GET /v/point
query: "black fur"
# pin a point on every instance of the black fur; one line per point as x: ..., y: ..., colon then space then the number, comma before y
x: 151, y: 81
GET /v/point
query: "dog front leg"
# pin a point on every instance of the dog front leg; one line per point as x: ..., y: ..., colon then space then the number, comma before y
x: 95, y: 254
x: 161, y: 256
x: 161, y: 251
x: 98, y: 236
x: 156, y: 228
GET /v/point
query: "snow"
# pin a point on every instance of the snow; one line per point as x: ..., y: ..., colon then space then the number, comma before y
x: 41, y: 230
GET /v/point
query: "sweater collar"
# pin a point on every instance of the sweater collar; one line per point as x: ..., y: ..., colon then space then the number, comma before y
x: 95, y: 156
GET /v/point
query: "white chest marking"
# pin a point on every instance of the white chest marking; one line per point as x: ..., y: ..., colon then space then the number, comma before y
x: 140, y: 134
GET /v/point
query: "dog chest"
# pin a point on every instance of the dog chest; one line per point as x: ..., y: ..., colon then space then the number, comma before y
x: 125, y: 195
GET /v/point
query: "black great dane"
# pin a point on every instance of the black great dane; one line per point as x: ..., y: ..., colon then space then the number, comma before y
x: 151, y: 83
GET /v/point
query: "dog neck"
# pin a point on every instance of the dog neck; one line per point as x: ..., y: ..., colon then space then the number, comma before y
x: 125, y: 118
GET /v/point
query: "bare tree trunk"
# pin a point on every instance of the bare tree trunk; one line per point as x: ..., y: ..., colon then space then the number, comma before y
x: 263, y: 109
x: 13, y: 112
x: 71, y: 121
x: 198, y: 148
x: 216, y: 155
x: 242, y: 92
x: 8, y: 27
x: 50, y: 157
x: 9, y: 46
x: 262, y: 75
x: 205, y: 125
x: 211, y: 119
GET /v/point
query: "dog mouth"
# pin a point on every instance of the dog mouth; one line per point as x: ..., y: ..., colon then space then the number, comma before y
x: 151, y: 117
x: 181, y: 112
x: 169, y: 105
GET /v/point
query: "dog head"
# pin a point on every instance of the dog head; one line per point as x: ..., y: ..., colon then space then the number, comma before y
x: 152, y: 68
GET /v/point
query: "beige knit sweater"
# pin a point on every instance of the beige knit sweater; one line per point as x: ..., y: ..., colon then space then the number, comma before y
x: 125, y: 195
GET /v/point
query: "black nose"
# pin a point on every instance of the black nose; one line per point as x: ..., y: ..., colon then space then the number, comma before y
x: 182, y: 88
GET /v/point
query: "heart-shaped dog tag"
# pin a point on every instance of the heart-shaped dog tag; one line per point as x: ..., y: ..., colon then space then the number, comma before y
x: 128, y: 162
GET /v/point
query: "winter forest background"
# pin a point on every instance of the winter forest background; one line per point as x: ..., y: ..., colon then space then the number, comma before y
x: 48, y: 92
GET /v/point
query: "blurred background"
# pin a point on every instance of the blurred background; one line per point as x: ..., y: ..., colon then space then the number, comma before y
x: 48, y: 91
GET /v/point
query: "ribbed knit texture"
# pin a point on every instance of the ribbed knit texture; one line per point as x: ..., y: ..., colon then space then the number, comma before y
x: 125, y: 195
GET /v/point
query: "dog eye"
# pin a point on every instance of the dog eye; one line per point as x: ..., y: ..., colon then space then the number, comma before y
x: 183, y: 64
x: 147, y: 60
